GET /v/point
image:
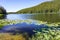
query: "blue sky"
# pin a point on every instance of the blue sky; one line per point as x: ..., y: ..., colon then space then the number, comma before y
x: 15, y: 5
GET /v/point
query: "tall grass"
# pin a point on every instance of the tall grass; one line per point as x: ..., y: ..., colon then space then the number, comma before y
x: 7, y: 36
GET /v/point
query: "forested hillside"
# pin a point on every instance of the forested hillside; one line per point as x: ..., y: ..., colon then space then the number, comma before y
x: 46, y: 7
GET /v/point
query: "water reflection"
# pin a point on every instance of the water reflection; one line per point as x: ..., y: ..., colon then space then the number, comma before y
x: 42, y: 17
x: 22, y: 28
x: 19, y: 16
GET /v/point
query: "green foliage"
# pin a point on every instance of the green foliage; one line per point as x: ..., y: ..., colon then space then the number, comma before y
x: 1, y: 25
x: 50, y: 33
x: 49, y: 17
x: 46, y: 7
x: 2, y: 12
x: 47, y: 34
x: 49, y: 11
x: 4, y: 22
x: 1, y: 16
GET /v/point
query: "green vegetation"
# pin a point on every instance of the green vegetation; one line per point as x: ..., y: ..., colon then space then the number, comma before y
x: 48, y: 11
x: 2, y: 12
x: 4, y: 22
x: 1, y: 16
x: 50, y: 17
x: 47, y: 34
x: 46, y: 7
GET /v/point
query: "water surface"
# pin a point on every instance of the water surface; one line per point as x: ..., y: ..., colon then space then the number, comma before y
x: 41, y: 17
x: 24, y: 27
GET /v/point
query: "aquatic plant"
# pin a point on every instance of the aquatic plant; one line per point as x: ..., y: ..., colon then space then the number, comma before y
x: 50, y: 33
x: 46, y: 34
x: 4, y: 22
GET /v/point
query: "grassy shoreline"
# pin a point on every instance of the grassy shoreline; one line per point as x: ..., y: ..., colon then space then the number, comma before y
x: 8, y: 36
x: 4, y: 22
x: 45, y: 34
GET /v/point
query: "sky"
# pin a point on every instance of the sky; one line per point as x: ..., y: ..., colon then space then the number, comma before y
x: 15, y: 5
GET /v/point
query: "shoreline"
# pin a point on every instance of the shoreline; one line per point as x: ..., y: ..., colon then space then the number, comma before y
x: 28, y: 21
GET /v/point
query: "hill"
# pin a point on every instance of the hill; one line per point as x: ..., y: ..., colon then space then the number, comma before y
x: 50, y: 6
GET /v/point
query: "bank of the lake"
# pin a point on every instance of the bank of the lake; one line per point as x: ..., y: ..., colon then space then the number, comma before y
x: 4, y: 22
x: 29, y: 24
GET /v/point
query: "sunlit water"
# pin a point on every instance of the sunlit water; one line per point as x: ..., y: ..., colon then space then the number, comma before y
x: 19, y: 16
x: 24, y: 27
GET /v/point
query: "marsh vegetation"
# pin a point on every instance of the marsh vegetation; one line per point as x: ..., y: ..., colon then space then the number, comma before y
x: 43, y: 20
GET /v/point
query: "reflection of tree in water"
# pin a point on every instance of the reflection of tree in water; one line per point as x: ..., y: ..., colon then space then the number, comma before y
x: 49, y: 17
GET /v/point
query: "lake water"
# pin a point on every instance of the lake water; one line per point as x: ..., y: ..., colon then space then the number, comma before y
x: 19, y: 16
x: 43, y: 17
x: 24, y: 27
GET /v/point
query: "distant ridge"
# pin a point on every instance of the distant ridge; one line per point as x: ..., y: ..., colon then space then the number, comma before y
x: 50, y: 6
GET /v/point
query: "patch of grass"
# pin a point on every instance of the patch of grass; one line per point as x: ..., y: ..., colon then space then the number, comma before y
x: 4, y: 22
x: 7, y: 36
